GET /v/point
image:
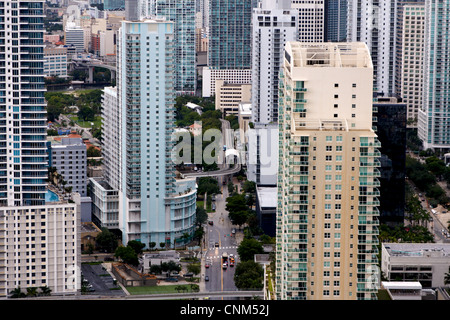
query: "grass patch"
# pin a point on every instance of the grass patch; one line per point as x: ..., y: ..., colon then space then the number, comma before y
x: 156, y: 289
x: 87, y: 124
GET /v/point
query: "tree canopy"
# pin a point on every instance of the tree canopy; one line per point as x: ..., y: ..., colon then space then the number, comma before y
x: 249, y: 275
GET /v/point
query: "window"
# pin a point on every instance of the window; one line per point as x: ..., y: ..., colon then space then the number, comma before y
x: 328, y: 158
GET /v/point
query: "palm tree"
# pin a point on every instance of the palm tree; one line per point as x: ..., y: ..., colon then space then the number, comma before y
x: 32, y: 292
x: 447, y: 277
x: 45, y: 291
x: 17, y: 293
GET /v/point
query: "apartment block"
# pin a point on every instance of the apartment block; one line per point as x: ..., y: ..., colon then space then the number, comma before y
x: 155, y: 206
x: 273, y: 24
x: 69, y: 157
x: 327, y: 213
x: 410, y: 55
x: 40, y: 247
x: 434, y: 113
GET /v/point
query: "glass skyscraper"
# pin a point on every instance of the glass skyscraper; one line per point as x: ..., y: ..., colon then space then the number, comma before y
x: 335, y: 20
x: 230, y: 34
x: 23, y: 116
x: 182, y: 13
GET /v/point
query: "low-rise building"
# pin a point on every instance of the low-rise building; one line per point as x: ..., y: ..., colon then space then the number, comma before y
x: 424, y: 262
x: 230, y: 95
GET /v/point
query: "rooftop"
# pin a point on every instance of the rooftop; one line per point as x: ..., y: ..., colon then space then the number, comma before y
x: 328, y: 54
x: 418, y: 249
x: 267, y: 197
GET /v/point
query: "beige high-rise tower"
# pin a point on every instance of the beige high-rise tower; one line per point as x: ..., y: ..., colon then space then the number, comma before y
x: 327, y: 185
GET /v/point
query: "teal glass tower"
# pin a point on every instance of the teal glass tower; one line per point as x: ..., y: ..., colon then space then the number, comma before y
x: 154, y: 205
x: 229, y: 37
x: 182, y: 14
x: 23, y: 115
x: 434, y: 114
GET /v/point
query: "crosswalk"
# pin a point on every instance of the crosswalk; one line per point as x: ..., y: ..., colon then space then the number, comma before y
x: 206, y: 254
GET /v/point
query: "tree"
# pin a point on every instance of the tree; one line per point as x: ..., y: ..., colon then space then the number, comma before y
x: 447, y: 277
x: 45, y: 291
x: 127, y: 254
x: 248, y: 248
x: 249, y: 186
x: 136, y: 245
x: 249, y: 275
x: 106, y: 240
x: 239, y: 217
x: 195, y: 268
x: 17, y: 293
x: 208, y: 185
x: 155, y: 269
x: 86, y: 113
x: 151, y: 245
x: 201, y: 216
x: 32, y: 292
x: 93, y: 152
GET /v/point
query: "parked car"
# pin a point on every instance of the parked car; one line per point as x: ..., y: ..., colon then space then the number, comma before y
x: 206, y: 278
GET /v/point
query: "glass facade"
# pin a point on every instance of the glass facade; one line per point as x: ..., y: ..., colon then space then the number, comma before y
x: 182, y: 13
x: 335, y: 21
x: 230, y: 34
x: 23, y: 117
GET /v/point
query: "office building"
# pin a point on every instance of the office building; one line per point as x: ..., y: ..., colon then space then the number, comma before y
x: 211, y: 76
x: 327, y: 213
x: 273, y: 24
x: 390, y: 121
x: 182, y: 13
x: 434, y: 114
x: 74, y: 35
x: 410, y: 57
x: 39, y: 233
x: 230, y: 95
x: 335, y: 26
x: 55, y: 61
x: 311, y: 20
x: 155, y: 205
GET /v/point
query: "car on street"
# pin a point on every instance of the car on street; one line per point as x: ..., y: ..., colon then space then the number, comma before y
x: 206, y: 278
x: 210, y: 222
x: 217, y: 244
x: 207, y: 264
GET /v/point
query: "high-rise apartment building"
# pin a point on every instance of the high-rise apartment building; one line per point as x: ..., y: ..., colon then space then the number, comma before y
x: 40, y: 237
x: 311, y: 18
x: 410, y: 55
x: 23, y: 166
x: 335, y: 26
x: 182, y: 13
x: 434, y: 114
x: 375, y: 22
x: 327, y: 205
x: 154, y: 204
x: 273, y: 24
